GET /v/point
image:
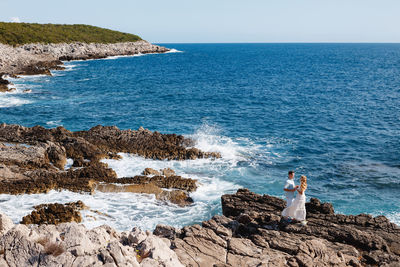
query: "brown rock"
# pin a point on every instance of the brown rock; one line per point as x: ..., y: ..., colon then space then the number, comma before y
x: 178, y: 197
x: 150, y: 171
x: 4, y: 85
x: 55, y: 213
x: 167, y: 172
x: 42, y: 67
x: 253, y: 234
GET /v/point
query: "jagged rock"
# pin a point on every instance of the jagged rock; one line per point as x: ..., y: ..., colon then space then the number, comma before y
x: 18, y: 250
x: 178, y: 197
x: 167, y: 172
x: 158, y: 250
x: 5, y: 224
x: 4, y: 84
x: 41, y: 67
x: 315, y: 206
x: 150, y: 171
x: 57, y: 155
x: 166, y: 231
x: 99, y: 141
x: 32, y: 159
x: 71, y: 244
x: 251, y: 233
x: 55, y: 213
x: 136, y: 236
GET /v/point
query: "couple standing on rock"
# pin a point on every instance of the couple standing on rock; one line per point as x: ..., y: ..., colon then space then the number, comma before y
x: 295, y: 206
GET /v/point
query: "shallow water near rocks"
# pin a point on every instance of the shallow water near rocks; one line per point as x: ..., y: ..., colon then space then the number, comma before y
x: 329, y: 111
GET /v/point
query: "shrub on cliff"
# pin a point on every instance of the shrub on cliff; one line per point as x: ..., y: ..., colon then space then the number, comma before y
x: 24, y: 33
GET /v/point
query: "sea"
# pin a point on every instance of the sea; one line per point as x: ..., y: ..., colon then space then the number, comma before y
x: 327, y: 111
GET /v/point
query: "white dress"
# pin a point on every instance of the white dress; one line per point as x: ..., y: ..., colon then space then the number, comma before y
x: 297, y: 210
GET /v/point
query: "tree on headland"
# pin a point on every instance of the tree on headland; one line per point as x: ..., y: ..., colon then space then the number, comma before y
x: 24, y: 33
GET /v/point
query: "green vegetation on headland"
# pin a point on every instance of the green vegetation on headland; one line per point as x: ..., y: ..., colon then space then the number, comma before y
x: 25, y: 33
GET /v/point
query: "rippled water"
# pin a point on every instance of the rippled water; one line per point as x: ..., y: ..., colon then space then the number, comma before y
x: 329, y: 111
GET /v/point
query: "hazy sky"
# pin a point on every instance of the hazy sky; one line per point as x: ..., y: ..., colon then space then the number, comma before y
x: 223, y: 20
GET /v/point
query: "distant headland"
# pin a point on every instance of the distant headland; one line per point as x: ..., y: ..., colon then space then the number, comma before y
x: 30, y: 48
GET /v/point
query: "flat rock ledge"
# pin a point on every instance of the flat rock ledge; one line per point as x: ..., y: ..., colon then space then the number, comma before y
x: 72, y: 245
x: 252, y: 233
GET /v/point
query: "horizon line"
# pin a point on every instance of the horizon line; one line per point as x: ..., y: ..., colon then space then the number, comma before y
x: 276, y: 42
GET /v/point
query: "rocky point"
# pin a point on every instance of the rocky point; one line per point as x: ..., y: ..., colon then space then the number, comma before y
x: 251, y: 232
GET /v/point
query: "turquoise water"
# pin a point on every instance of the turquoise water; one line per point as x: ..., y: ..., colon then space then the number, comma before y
x: 328, y: 111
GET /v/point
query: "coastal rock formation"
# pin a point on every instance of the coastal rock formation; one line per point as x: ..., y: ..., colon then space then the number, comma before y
x: 166, y: 172
x: 175, y: 196
x: 252, y: 233
x: 153, y: 185
x: 105, y: 141
x: 4, y: 85
x: 32, y: 160
x: 150, y: 171
x: 55, y: 213
x: 71, y: 244
x: 31, y: 59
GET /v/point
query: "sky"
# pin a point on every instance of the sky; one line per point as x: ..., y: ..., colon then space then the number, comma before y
x: 222, y: 21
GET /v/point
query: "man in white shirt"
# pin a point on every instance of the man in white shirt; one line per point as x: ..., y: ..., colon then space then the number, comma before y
x: 290, y: 188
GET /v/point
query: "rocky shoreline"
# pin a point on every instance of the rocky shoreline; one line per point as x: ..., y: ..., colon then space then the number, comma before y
x: 34, y: 59
x: 33, y: 160
x: 250, y: 232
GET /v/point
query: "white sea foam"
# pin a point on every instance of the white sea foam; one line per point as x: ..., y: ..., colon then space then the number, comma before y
x: 7, y: 101
x: 140, y: 54
x: 54, y: 123
x: 32, y: 77
x: 69, y: 163
x: 122, y: 56
x: 129, y: 209
x: 394, y: 217
x: 69, y: 66
x: 173, y: 50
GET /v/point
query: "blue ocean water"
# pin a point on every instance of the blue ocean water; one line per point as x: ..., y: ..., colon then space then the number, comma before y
x: 328, y: 111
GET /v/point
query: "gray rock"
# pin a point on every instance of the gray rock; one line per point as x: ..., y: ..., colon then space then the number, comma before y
x: 5, y: 224
x: 72, y: 245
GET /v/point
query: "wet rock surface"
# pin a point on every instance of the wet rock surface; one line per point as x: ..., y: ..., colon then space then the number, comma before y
x: 32, y: 160
x: 252, y: 233
x: 71, y: 244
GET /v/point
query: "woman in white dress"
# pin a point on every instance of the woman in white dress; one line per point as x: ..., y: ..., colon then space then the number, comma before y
x: 297, y: 210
